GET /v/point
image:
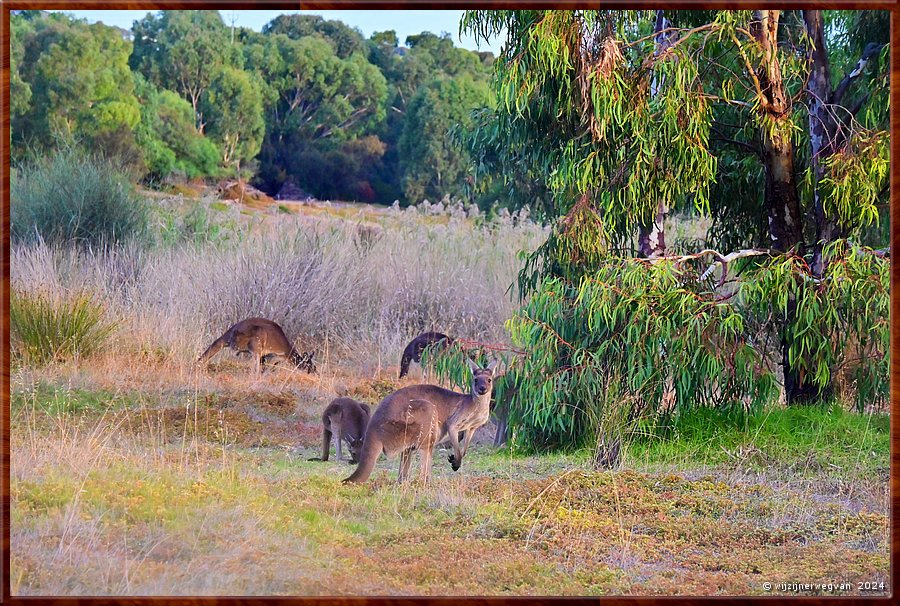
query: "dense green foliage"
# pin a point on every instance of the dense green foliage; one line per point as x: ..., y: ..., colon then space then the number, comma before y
x: 79, y: 83
x: 614, y: 118
x: 168, y: 137
x: 434, y: 165
x: 307, y: 101
x: 841, y: 326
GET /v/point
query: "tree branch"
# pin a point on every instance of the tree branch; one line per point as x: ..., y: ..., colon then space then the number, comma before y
x: 763, y: 101
x: 743, y: 104
x: 721, y: 137
x: 721, y: 259
x: 871, y: 49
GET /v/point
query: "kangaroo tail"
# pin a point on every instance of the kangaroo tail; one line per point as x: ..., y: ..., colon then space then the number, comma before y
x: 213, y: 349
x: 371, y: 449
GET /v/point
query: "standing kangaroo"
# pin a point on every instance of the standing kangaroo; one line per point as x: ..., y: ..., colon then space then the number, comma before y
x: 346, y: 419
x: 264, y: 340
x: 413, y: 351
x: 418, y: 417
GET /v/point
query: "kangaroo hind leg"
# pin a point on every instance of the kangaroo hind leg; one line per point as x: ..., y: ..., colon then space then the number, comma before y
x: 338, y: 435
x: 425, y: 457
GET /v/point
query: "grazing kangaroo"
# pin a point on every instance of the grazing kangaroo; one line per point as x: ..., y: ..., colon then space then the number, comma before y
x: 413, y: 351
x: 418, y: 417
x: 264, y: 340
x: 346, y: 419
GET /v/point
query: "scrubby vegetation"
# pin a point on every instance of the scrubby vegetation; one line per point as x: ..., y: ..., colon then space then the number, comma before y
x: 69, y: 197
x: 359, y: 286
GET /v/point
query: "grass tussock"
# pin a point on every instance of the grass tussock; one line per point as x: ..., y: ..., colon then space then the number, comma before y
x: 46, y: 328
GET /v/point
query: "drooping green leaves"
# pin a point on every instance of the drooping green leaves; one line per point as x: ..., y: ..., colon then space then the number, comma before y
x: 839, y: 336
x: 575, y: 99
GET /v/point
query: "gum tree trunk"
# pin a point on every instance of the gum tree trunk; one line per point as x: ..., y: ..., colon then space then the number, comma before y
x: 782, y: 199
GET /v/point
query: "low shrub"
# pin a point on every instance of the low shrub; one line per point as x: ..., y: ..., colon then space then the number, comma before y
x: 46, y: 328
x: 69, y: 196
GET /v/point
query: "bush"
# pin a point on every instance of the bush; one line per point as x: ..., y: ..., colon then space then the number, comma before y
x: 72, y: 197
x: 47, y: 328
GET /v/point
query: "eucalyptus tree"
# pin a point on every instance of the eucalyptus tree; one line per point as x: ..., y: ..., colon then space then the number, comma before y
x: 235, y: 115
x: 78, y: 78
x: 183, y: 51
x: 343, y: 39
x: 616, y: 113
x: 169, y: 137
x: 314, y: 102
x: 433, y: 165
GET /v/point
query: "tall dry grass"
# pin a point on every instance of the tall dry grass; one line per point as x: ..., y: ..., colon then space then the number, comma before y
x: 356, y: 292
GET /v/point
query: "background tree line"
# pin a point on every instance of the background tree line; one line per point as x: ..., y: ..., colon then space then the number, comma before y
x: 310, y: 101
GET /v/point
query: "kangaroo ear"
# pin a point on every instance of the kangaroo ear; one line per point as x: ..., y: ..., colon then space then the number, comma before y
x: 472, y: 365
x: 492, y: 365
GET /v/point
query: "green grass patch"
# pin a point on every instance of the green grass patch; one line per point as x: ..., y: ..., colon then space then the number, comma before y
x: 803, y: 438
x: 507, y: 463
x: 52, y: 492
x: 55, y: 400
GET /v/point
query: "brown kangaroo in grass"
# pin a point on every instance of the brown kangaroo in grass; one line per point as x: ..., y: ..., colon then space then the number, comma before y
x: 263, y: 339
x: 419, y: 417
x: 345, y: 419
x: 413, y: 351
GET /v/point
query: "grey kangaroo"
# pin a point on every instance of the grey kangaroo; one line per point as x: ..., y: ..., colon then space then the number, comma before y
x: 264, y: 340
x: 345, y: 419
x: 413, y: 351
x: 419, y: 417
